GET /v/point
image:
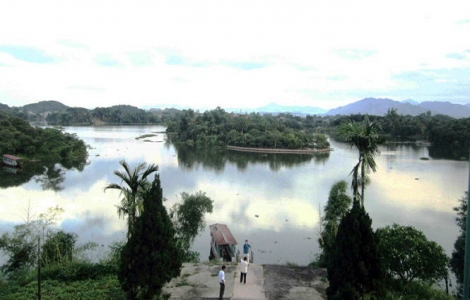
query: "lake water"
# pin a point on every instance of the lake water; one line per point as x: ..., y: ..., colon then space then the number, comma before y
x: 274, y: 201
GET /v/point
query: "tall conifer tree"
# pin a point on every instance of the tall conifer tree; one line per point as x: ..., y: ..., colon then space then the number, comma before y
x: 355, y: 269
x: 151, y: 256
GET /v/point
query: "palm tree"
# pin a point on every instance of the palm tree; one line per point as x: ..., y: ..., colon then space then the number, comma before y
x: 366, y: 139
x: 135, y: 183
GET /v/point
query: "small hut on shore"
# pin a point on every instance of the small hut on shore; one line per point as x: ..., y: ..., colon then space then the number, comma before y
x: 223, y: 244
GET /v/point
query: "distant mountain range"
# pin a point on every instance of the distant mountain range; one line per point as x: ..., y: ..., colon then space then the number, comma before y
x: 374, y: 106
x: 379, y: 107
x: 371, y: 106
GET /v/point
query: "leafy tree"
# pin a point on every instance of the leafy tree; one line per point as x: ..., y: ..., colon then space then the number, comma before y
x: 58, y: 248
x: 151, y: 257
x: 337, y: 206
x: 188, y: 219
x: 407, y: 254
x: 366, y: 139
x: 21, y: 245
x: 355, y: 268
x: 135, y: 182
x: 457, y: 261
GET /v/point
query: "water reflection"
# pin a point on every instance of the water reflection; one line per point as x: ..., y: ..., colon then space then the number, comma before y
x: 449, y: 152
x: 216, y: 159
x: 49, y: 174
x: 273, y: 200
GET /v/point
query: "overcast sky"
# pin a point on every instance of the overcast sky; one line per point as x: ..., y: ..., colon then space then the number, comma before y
x: 233, y: 54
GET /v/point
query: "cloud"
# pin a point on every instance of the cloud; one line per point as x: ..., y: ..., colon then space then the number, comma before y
x: 244, y: 55
x: 106, y: 60
x: 245, y: 65
x: 140, y: 59
x: 354, y: 54
x: 72, y: 44
x: 29, y: 54
x: 458, y: 56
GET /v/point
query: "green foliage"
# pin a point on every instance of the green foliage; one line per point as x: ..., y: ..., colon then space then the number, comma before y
x: 74, y: 271
x: 21, y: 249
x: 58, y: 248
x: 355, y: 269
x: 396, y: 290
x: 20, y: 246
x: 336, y: 208
x: 450, y: 139
x: 136, y: 184
x: 119, y: 114
x: 217, y: 128
x: 408, y: 255
x: 19, y: 138
x: 151, y: 257
x: 457, y: 261
x: 366, y: 139
x: 105, y: 287
x: 188, y: 220
x: 114, y: 254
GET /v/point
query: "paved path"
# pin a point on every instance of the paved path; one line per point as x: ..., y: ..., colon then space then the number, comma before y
x: 253, y: 289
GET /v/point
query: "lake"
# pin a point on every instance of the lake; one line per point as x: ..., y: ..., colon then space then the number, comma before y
x: 274, y: 201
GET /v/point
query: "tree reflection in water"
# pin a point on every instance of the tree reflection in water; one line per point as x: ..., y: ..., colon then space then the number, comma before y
x: 49, y: 174
x: 215, y: 159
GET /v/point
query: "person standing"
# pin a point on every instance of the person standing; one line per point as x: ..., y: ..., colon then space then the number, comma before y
x: 247, y: 250
x: 221, y: 278
x: 243, y: 270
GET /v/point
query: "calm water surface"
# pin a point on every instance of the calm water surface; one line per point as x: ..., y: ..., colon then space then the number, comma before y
x: 274, y: 201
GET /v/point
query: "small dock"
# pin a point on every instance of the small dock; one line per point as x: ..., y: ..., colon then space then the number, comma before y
x: 223, y: 244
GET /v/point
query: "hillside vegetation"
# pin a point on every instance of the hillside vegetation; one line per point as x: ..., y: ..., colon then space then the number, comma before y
x: 19, y: 138
x: 217, y: 128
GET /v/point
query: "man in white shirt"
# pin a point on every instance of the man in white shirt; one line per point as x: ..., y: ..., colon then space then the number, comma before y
x: 243, y: 269
x: 221, y: 278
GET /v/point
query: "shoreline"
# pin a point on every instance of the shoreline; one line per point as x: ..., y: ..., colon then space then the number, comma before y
x: 278, y: 151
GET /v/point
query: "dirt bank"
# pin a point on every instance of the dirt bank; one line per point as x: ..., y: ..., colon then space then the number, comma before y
x: 199, y: 281
x: 284, y: 282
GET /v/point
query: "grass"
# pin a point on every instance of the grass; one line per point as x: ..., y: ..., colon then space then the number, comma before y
x: 182, y: 282
x: 291, y: 264
x: 104, y: 288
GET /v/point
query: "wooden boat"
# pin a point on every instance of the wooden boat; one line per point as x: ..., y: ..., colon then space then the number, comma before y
x: 223, y: 243
x: 12, y: 161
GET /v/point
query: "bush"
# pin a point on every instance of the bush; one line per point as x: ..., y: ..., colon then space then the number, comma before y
x: 414, y: 290
x: 77, y: 271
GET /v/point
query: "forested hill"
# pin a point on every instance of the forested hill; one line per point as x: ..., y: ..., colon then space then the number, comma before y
x: 19, y: 138
x: 56, y: 113
x: 218, y: 128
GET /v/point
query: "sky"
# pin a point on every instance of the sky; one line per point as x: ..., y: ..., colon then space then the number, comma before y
x: 233, y: 54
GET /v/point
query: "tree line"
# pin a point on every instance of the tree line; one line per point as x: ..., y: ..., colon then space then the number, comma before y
x: 79, y: 116
x: 391, y: 262
x: 218, y: 128
x: 449, y: 137
x: 120, y: 114
x: 19, y: 138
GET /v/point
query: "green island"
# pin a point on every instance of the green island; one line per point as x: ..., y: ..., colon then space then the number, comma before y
x: 18, y: 137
